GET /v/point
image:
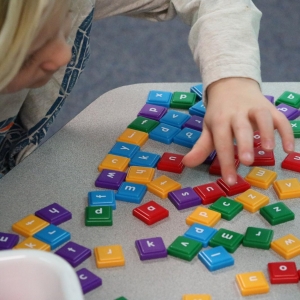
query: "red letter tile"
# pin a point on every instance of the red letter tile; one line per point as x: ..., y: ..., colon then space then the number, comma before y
x: 171, y: 162
x: 209, y: 192
x: 283, y: 272
x: 150, y: 212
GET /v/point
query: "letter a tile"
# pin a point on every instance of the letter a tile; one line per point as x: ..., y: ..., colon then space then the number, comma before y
x: 150, y: 212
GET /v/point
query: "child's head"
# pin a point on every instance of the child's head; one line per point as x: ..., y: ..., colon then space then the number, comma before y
x: 33, y: 42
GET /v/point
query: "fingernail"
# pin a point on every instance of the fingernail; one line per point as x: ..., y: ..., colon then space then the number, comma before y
x: 269, y: 145
x: 247, y: 156
x: 231, y: 180
x: 290, y: 147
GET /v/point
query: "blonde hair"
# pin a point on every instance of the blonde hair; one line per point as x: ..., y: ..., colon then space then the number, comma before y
x: 20, y: 22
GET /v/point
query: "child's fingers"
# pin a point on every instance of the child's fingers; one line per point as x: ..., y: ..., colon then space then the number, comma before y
x: 201, y: 150
x: 263, y: 120
x: 243, y: 133
x: 223, y: 141
x: 286, y: 132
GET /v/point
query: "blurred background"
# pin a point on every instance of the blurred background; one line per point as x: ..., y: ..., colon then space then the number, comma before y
x: 127, y: 51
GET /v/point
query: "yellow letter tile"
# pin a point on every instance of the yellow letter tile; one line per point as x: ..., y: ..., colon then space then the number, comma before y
x: 132, y: 136
x: 163, y: 185
x: 252, y: 200
x: 287, y: 188
x: 287, y: 246
x: 203, y: 215
x: 114, y: 162
x: 252, y: 283
x: 109, y: 256
x: 261, y: 177
x: 32, y: 243
x: 29, y: 225
x: 141, y: 175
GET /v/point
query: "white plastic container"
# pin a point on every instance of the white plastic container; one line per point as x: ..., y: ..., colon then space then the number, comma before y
x: 37, y: 275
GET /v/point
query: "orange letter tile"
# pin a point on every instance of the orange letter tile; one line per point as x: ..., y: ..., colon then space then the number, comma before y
x: 109, y: 256
x: 252, y: 283
x: 132, y: 136
x: 287, y: 246
x: 261, y: 177
x: 33, y: 243
x: 141, y: 175
x: 203, y: 215
x: 162, y: 186
x: 287, y: 188
x: 29, y: 225
x: 114, y: 162
x: 252, y: 200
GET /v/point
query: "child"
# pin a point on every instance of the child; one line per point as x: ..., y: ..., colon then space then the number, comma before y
x: 223, y: 40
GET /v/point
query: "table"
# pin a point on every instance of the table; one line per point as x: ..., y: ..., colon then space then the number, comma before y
x: 64, y: 170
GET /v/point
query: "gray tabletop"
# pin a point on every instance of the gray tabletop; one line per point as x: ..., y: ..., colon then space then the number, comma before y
x: 64, y: 170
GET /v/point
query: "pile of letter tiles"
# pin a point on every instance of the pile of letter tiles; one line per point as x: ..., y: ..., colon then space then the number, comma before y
x: 127, y: 172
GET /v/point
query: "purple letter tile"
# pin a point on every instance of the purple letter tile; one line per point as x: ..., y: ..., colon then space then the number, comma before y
x: 290, y: 112
x: 152, y: 111
x: 151, y: 248
x: 74, y: 253
x: 54, y: 214
x: 270, y: 98
x: 210, y: 157
x: 110, y: 179
x: 184, y: 198
x: 88, y: 280
x: 195, y: 122
x: 8, y: 240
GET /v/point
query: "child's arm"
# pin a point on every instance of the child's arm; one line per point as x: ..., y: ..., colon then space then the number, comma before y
x: 236, y: 108
x: 224, y: 43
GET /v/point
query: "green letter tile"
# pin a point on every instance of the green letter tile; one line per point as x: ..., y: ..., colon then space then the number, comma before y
x: 183, y: 100
x: 228, y: 208
x: 289, y: 98
x: 258, y: 238
x: 296, y: 128
x: 185, y: 248
x: 98, y: 216
x: 143, y: 124
x: 230, y: 240
x: 277, y: 213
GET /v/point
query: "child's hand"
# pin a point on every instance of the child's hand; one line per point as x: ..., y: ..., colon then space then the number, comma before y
x: 235, y: 109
